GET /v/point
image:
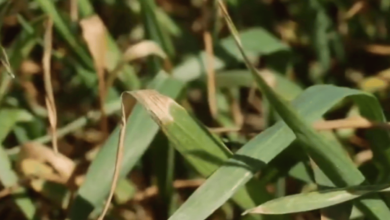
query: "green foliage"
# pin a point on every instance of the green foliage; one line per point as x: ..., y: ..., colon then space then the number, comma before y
x: 281, y: 69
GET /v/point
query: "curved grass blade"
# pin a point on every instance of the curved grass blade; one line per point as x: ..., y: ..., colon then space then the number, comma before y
x: 180, y: 127
x: 140, y: 50
x: 204, y: 152
x: 331, y: 160
x: 139, y: 134
x: 155, y: 32
x: 313, y: 103
x: 128, y: 76
x: 316, y: 200
x: 153, y: 27
x: 92, y: 195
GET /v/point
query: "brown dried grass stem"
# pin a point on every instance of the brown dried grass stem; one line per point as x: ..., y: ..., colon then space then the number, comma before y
x: 50, y: 103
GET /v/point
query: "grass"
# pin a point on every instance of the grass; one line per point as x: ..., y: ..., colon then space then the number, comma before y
x: 268, y: 110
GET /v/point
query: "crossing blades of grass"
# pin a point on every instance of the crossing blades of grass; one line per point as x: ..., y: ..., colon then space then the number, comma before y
x: 20, y: 49
x: 140, y: 50
x: 8, y: 177
x: 5, y: 62
x: 153, y: 27
x: 336, y: 212
x: 312, y: 103
x: 92, y: 195
x: 204, y: 152
x: 49, y: 8
x: 155, y: 32
x: 139, y: 134
x: 129, y: 77
x: 180, y: 127
x: 316, y: 200
x: 331, y: 159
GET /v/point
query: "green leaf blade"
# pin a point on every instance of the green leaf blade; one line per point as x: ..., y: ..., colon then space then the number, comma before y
x: 316, y: 200
x: 91, y: 195
x: 313, y: 103
x: 331, y: 160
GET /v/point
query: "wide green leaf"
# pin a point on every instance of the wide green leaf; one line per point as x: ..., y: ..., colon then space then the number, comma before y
x: 332, y: 160
x: 90, y: 197
x: 204, y: 152
x: 313, y: 103
x: 140, y: 133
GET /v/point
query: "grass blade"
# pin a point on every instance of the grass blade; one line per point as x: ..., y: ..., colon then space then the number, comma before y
x: 20, y: 49
x: 312, y: 103
x: 316, y: 200
x: 8, y: 177
x: 5, y: 62
x: 320, y: 24
x: 172, y: 118
x: 50, y: 102
x: 337, y: 212
x: 49, y: 8
x: 332, y: 160
x: 191, y: 139
x: 94, y: 33
x: 154, y: 32
x: 91, y: 195
x: 128, y: 76
x: 118, y: 163
x: 140, y: 50
x: 162, y: 157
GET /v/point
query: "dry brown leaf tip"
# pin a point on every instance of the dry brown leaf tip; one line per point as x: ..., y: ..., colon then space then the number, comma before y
x: 143, y: 49
x: 156, y: 104
x: 60, y: 163
x: 94, y: 33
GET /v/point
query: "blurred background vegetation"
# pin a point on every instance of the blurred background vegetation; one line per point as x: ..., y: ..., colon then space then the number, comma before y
x: 184, y: 50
